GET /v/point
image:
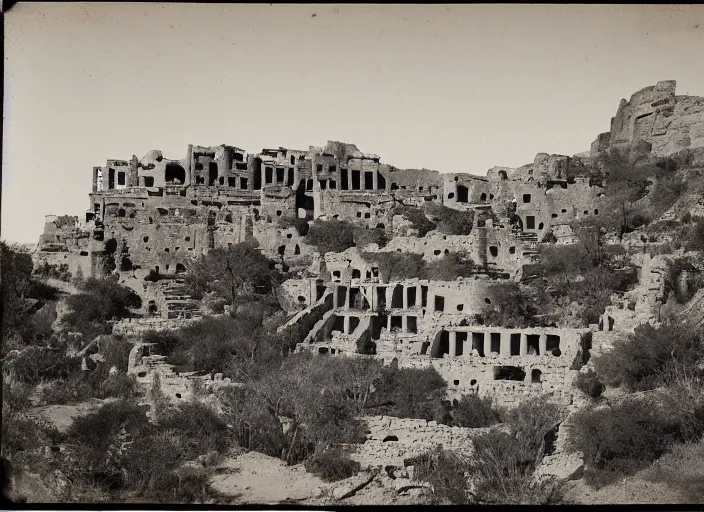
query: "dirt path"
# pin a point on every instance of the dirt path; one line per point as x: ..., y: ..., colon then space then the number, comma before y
x: 255, y: 478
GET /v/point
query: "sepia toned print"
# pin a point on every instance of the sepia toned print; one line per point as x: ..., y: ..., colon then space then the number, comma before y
x: 326, y: 325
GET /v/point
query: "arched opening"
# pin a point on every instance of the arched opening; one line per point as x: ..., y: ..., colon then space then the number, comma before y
x: 482, y: 197
x: 121, y: 212
x: 536, y: 376
x: 390, y: 438
x: 297, y: 249
x: 441, y: 344
x: 180, y: 268
x: 174, y: 174
x: 356, y: 274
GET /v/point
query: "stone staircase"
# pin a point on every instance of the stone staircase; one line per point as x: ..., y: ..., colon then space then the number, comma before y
x: 176, y: 301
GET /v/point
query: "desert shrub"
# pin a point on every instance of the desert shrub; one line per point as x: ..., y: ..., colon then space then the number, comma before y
x: 331, y: 235
x: 199, y: 424
x: 473, y: 411
x: 364, y: 237
x: 639, y: 361
x: 408, y: 393
x: 695, y: 237
x: 501, y: 469
x: 622, y: 439
x: 445, y: 471
x: 240, y: 347
x: 395, y: 266
x: 516, y: 306
x: 503, y: 462
x: 450, y: 221
x: 589, y: 384
x: 121, y: 451
x: 332, y: 465
x: 20, y: 432
x: 72, y: 390
x: 100, y: 301
x: 451, y: 266
x: 119, y: 385
x: 36, y: 364
x: 256, y: 428
x: 321, y: 397
x: 416, y: 216
x: 681, y: 468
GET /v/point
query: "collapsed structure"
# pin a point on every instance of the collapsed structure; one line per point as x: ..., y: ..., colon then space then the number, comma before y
x: 148, y: 219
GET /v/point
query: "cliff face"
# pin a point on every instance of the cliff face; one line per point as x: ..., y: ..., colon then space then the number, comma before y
x: 655, y: 114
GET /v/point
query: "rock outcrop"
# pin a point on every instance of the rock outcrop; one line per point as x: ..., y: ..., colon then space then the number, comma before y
x: 656, y: 115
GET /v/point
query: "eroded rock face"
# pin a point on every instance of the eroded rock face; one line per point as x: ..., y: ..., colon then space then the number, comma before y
x: 656, y: 115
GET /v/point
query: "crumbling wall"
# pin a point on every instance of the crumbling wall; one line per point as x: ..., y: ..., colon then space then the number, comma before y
x: 391, y: 440
x: 656, y: 115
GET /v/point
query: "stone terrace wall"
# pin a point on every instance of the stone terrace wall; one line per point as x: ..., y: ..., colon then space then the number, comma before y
x: 390, y: 440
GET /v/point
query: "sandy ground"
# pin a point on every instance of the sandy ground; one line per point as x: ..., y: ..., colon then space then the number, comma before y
x: 62, y: 416
x: 632, y: 491
x: 255, y: 478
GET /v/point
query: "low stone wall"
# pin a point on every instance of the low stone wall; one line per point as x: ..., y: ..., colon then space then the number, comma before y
x: 136, y: 327
x: 390, y: 440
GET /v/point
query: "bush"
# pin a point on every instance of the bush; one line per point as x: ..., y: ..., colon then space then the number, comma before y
x: 473, y: 411
x: 695, y: 241
x: 502, y: 464
x: 416, y: 216
x: 681, y: 468
x: 364, y: 237
x: 589, y: 384
x: 62, y: 392
x: 450, y: 221
x: 332, y: 465
x: 36, y: 364
x: 331, y: 235
x: 100, y: 300
x: 515, y: 306
x: 408, y: 393
x: 641, y: 360
x: 622, y: 439
x: 396, y: 266
x: 445, y: 472
x: 450, y: 267
x: 501, y: 469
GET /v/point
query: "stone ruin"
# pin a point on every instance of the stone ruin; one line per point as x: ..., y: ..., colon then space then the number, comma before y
x: 149, y: 219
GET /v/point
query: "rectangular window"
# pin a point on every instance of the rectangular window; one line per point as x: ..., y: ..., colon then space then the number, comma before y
x: 120, y: 178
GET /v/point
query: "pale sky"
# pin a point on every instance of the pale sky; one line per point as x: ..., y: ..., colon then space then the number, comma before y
x: 457, y: 88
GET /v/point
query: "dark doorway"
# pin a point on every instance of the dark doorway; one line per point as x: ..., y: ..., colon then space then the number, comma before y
x: 355, y: 180
x: 212, y: 173
x: 175, y: 174
x: 462, y: 194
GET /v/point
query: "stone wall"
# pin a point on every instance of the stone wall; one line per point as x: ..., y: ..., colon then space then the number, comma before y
x: 391, y: 440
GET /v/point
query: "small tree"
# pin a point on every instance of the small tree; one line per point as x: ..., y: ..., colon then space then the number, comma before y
x: 231, y: 272
x: 331, y: 235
